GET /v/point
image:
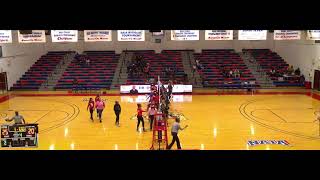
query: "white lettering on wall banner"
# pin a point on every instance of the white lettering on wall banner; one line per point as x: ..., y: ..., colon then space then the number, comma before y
x: 37, y: 36
x: 183, y: 35
x: 97, y: 35
x: 252, y: 34
x: 313, y: 34
x: 219, y: 35
x: 131, y: 35
x: 64, y: 35
x: 287, y: 35
x: 5, y: 36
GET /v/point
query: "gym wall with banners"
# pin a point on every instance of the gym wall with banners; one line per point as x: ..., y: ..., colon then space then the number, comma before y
x: 5, y: 36
x: 252, y: 34
x: 218, y: 34
x: 287, y: 35
x: 185, y: 35
x: 64, y: 35
x: 131, y: 35
x: 97, y: 35
x: 37, y: 36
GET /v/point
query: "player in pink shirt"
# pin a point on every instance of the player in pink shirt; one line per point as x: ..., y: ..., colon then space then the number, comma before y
x: 100, y: 106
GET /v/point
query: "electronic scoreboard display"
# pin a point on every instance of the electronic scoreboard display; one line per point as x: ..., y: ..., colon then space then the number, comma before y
x: 22, y: 135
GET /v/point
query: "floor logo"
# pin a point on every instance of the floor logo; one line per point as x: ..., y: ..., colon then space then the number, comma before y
x: 261, y: 142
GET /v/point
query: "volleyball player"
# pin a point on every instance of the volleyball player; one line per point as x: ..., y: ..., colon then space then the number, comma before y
x: 152, y: 111
x: 140, y: 117
x: 100, y: 106
x: 91, y: 107
x: 117, y: 111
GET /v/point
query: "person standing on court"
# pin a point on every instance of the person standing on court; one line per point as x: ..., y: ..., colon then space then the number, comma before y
x: 96, y: 99
x: 117, y: 111
x: 152, y: 111
x: 18, y: 119
x: 174, y: 132
x: 91, y: 107
x: 140, y: 117
x: 100, y: 106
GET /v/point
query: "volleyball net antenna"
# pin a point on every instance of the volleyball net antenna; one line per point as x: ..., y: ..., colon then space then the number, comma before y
x: 159, y: 92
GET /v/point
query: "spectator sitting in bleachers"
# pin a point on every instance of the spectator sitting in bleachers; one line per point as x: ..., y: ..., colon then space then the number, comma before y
x: 87, y: 61
x: 297, y: 72
x: 272, y: 72
x: 290, y: 70
x: 230, y: 73
x: 236, y: 73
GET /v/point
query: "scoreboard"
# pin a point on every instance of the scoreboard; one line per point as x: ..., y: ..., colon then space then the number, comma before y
x: 21, y: 135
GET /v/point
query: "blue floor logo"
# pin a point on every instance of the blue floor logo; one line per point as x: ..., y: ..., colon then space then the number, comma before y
x: 261, y: 142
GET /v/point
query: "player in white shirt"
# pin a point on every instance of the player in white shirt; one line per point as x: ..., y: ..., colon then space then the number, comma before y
x: 174, y: 132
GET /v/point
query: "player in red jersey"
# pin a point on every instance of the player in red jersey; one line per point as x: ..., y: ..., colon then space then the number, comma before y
x: 91, y: 107
x: 140, y: 117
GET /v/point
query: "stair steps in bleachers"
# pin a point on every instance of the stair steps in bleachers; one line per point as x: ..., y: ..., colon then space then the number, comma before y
x: 188, y: 61
x: 120, y: 77
x: 261, y: 78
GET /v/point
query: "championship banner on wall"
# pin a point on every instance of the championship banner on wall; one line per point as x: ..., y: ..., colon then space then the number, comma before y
x: 64, y: 35
x: 5, y: 36
x: 287, y: 35
x: 178, y: 88
x: 219, y: 35
x: 184, y: 35
x: 131, y: 35
x: 37, y: 36
x: 313, y: 34
x: 97, y: 35
x: 252, y: 34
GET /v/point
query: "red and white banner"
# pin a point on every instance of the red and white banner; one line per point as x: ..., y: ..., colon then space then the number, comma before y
x: 37, y: 36
x: 64, y: 35
x: 252, y: 34
x: 178, y: 88
x: 131, y: 35
x: 313, y: 34
x: 287, y: 35
x: 5, y: 36
x: 219, y: 35
x: 184, y: 35
x: 97, y: 35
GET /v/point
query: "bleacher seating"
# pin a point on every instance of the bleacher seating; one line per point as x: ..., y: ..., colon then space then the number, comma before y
x: 214, y: 60
x: 97, y: 75
x: 38, y: 72
x: 158, y: 63
x: 271, y: 60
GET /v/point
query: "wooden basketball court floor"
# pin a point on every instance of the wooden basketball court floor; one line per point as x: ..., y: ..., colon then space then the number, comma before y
x: 216, y: 122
